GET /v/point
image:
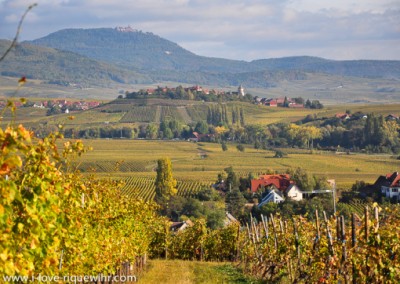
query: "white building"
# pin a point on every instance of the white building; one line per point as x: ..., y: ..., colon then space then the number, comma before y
x: 293, y: 192
x: 241, y: 91
x: 390, y: 185
x: 272, y: 196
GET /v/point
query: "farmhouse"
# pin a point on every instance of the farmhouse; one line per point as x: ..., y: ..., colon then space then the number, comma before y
x: 342, y: 116
x: 180, y: 226
x: 276, y: 196
x: 392, y: 117
x: 279, y: 181
x: 293, y: 192
x: 389, y: 185
x: 196, y: 137
x: 273, y: 196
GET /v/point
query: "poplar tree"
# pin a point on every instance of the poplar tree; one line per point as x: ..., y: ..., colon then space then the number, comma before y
x: 165, y: 183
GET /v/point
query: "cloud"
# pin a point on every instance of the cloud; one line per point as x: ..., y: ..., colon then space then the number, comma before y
x: 237, y: 29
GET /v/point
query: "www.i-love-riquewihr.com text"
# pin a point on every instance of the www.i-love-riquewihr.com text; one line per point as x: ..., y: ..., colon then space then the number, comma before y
x: 69, y: 278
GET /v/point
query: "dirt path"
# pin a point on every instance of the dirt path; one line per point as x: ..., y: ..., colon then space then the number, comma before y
x: 187, y: 272
x: 158, y: 114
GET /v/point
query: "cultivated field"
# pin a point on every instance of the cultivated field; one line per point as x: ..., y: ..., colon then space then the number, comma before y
x: 198, y: 164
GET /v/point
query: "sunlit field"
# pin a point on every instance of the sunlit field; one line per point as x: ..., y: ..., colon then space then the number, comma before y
x: 202, y: 162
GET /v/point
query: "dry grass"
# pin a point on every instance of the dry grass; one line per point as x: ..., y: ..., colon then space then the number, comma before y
x: 188, y: 272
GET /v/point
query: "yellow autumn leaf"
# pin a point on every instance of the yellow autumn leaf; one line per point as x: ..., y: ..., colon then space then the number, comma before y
x: 3, y: 256
x: 20, y: 227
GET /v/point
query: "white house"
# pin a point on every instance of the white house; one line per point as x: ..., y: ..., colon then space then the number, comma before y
x: 293, y: 192
x: 390, y: 185
x: 272, y: 196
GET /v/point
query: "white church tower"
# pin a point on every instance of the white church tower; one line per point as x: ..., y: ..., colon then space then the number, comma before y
x: 241, y: 90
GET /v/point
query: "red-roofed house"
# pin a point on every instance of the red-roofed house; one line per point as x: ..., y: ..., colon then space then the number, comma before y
x: 390, y: 185
x: 281, y: 182
x: 342, y: 115
x: 271, y: 103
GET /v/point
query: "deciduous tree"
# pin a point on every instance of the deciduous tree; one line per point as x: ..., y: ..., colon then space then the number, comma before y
x: 165, y: 183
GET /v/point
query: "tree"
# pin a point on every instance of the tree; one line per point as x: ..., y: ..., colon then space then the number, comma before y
x: 232, y: 181
x: 235, y: 203
x: 165, y: 183
x: 151, y: 131
x: 286, y: 102
x: 313, y: 133
x: 224, y: 146
x: 242, y: 121
x: 201, y: 127
x: 303, y: 179
x: 240, y: 147
x: 279, y: 154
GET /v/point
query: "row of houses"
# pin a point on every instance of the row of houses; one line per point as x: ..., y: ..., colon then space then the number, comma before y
x: 278, y: 102
x: 281, y: 187
x: 195, y: 89
x: 346, y: 116
x: 64, y: 104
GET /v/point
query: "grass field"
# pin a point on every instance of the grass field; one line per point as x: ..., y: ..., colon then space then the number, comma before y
x: 190, y: 272
x: 201, y: 162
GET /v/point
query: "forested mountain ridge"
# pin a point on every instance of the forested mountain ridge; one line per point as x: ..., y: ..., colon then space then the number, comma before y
x: 356, y: 68
x: 63, y: 67
x: 146, y: 51
x: 136, y: 49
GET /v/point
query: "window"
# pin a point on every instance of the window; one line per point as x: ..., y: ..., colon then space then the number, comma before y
x: 395, y: 190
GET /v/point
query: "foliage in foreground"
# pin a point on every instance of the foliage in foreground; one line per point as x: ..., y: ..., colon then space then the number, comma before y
x: 333, y: 250
x: 54, y: 221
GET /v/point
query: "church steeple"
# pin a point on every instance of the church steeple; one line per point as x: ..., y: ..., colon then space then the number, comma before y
x: 241, y: 90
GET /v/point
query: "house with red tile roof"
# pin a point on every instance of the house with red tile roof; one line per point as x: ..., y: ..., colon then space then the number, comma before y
x: 342, y: 115
x: 390, y: 185
x: 279, y: 181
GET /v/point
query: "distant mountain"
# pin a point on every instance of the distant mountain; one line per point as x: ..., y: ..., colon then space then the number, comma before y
x: 148, y: 52
x: 137, y: 49
x: 356, y: 68
x: 63, y: 67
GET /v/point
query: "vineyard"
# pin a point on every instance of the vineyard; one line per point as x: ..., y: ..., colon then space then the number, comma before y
x: 114, y: 166
x: 170, y: 113
x: 354, y: 206
x: 197, y: 112
x: 139, y: 114
x: 334, y: 250
x: 144, y: 188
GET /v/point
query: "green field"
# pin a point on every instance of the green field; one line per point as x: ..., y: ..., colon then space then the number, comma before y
x: 197, y: 164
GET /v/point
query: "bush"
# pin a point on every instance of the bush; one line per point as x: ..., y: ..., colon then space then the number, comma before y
x: 279, y: 154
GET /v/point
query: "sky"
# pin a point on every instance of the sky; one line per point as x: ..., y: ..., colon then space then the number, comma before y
x: 233, y: 29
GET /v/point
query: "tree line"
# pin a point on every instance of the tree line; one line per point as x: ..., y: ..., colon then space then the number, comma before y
x: 181, y: 93
x: 369, y: 133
